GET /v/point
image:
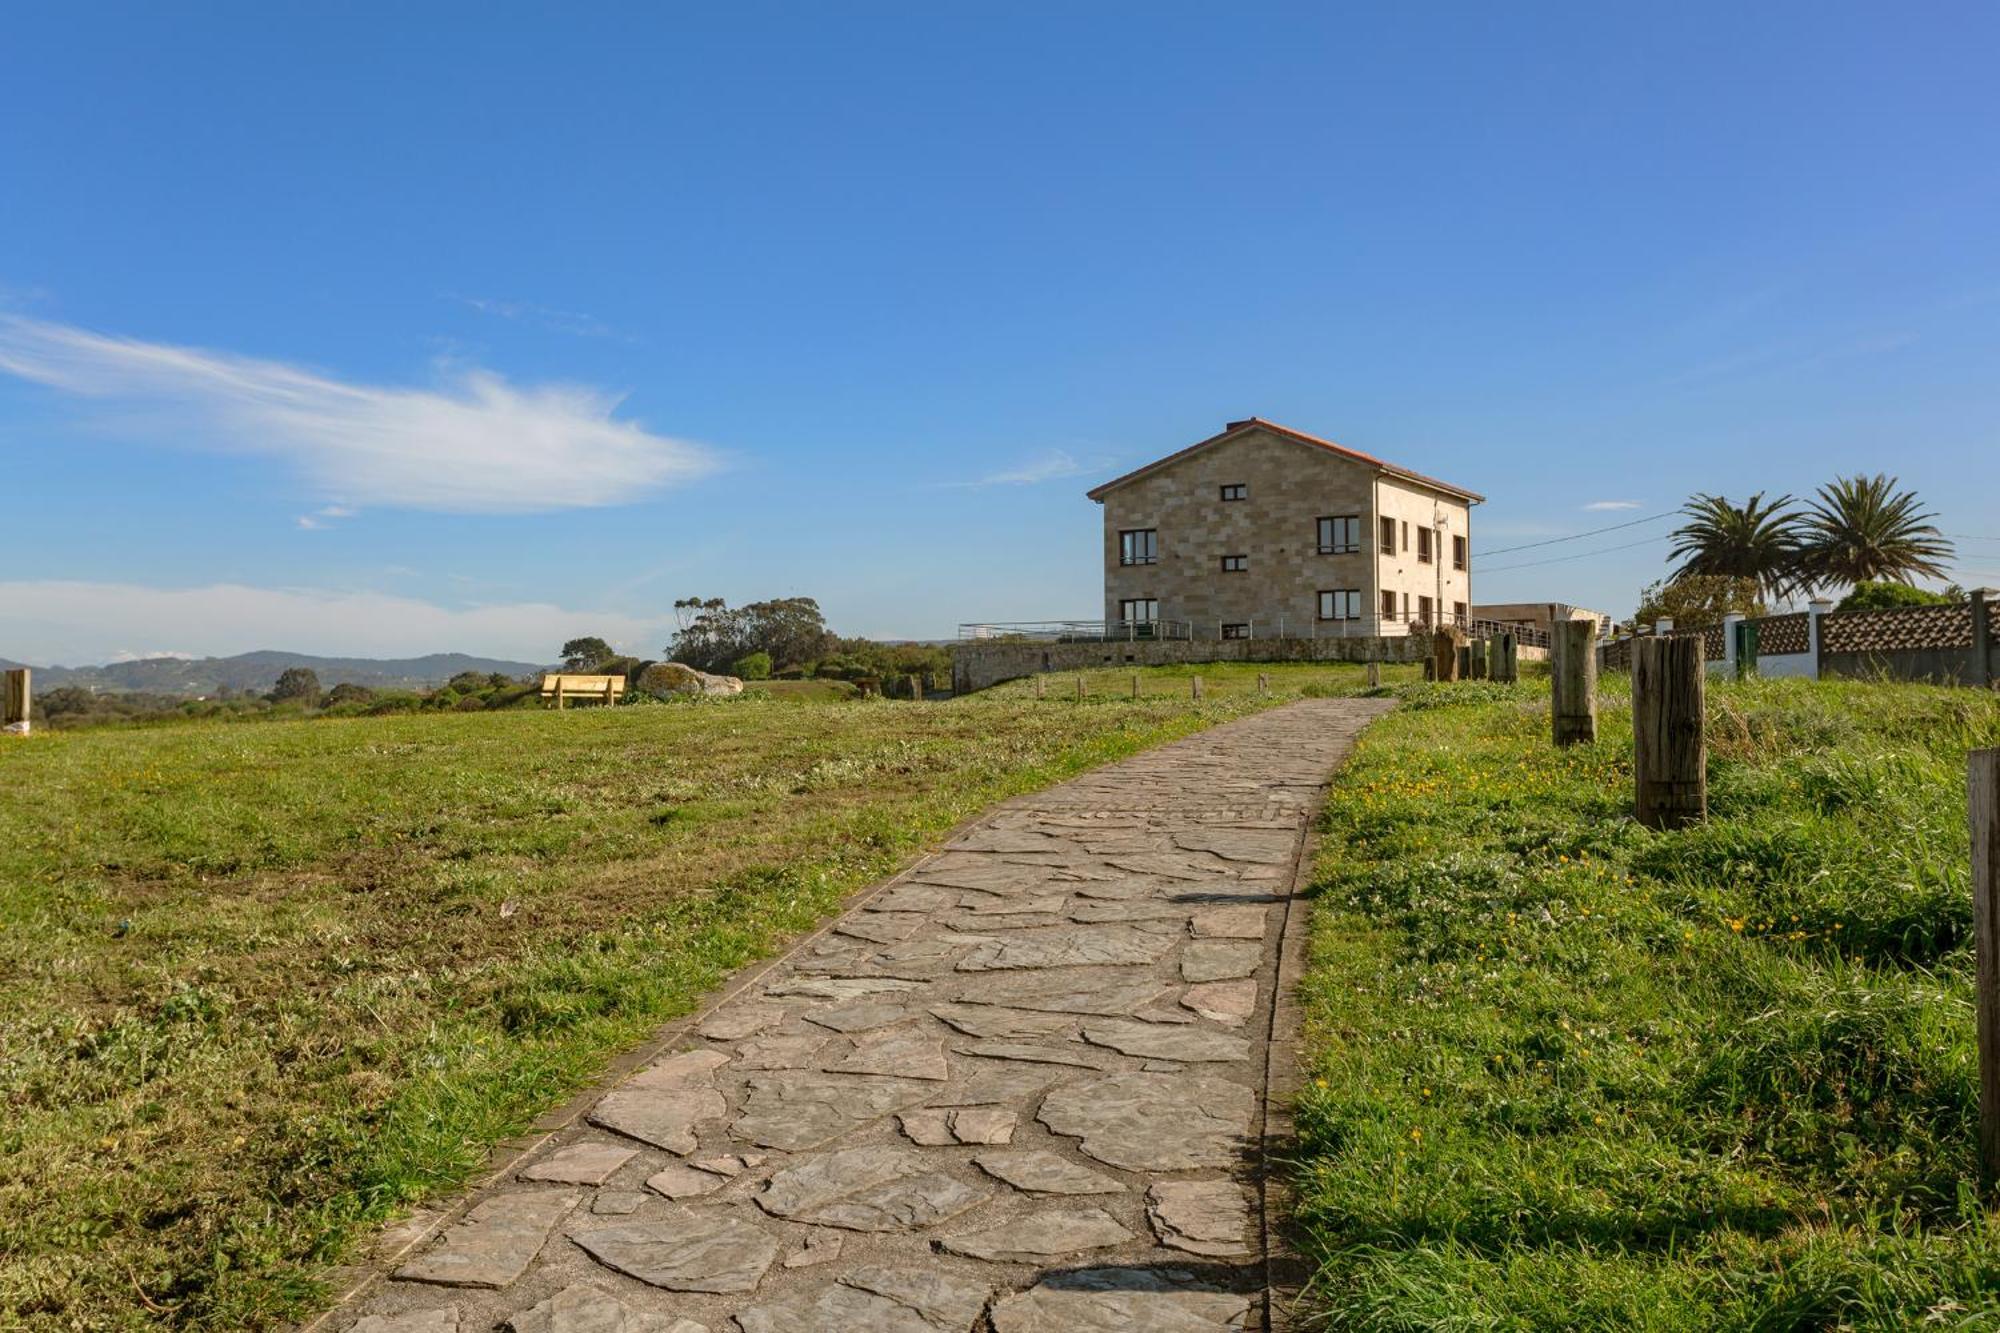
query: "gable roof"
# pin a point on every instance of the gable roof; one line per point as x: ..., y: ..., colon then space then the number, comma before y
x: 1236, y: 428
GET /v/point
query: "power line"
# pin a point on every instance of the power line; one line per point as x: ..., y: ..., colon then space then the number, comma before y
x: 1574, y: 536
x: 1580, y: 555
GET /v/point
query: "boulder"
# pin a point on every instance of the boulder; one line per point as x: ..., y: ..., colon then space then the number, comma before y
x: 676, y: 678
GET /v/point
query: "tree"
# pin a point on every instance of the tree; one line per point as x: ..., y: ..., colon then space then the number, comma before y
x: 1696, y: 601
x: 1759, y: 541
x: 584, y: 653
x: 790, y: 629
x: 1893, y: 596
x: 348, y: 693
x: 1863, y: 530
x: 752, y: 666
x: 301, y: 683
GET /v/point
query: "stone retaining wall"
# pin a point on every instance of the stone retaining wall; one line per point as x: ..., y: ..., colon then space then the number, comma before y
x: 976, y: 665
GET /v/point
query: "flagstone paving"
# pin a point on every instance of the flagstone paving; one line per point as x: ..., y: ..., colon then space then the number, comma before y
x: 1020, y: 1089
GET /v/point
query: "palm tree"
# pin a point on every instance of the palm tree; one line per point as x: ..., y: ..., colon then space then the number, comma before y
x: 1758, y: 540
x: 1864, y: 530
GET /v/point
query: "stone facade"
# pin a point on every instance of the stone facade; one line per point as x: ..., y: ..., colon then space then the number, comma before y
x: 1253, y: 566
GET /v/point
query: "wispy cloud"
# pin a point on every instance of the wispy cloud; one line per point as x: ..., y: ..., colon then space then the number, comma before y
x: 1602, y: 506
x: 1049, y: 465
x: 541, y: 316
x: 472, y: 444
x: 73, y: 622
x: 325, y: 517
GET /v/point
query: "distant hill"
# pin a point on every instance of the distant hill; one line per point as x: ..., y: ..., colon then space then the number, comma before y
x: 259, y: 671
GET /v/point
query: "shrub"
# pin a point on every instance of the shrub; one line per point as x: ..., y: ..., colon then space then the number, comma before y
x: 1892, y: 596
x: 752, y: 666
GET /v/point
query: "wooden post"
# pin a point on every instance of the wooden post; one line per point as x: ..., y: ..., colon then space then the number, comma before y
x: 1982, y: 640
x: 917, y: 689
x: 1496, y: 665
x: 1573, y: 682
x: 1447, y: 654
x: 1079, y: 684
x: 1464, y: 668
x: 1194, y: 688
x: 1135, y: 684
x: 1475, y: 660
x: 1374, y: 675
x: 1983, y: 808
x: 1669, y: 749
x: 1263, y: 684
x: 1040, y: 682
x: 1510, y: 657
x: 16, y: 708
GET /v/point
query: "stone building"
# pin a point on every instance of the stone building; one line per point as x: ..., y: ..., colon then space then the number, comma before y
x: 1263, y: 531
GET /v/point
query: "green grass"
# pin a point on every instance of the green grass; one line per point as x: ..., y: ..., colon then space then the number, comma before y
x: 1569, y: 1073
x: 264, y: 987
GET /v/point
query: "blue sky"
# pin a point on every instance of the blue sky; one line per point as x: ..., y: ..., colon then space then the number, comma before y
x: 388, y: 329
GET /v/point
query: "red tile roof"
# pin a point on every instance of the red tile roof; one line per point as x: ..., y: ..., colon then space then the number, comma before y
x: 1287, y: 432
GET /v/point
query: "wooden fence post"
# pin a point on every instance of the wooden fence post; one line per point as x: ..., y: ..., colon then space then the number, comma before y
x: 1496, y: 658
x: 1040, y: 681
x: 1983, y: 809
x: 1194, y: 687
x: 1982, y: 639
x: 1669, y: 749
x: 1510, y: 657
x: 1447, y: 654
x: 1135, y: 684
x: 15, y: 708
x: 1573, y: 682
x: 917, y: 688
x: 1079, y: 684
x: 1476, y: 660
x: 1263, y: 684
x: 1374, y: 674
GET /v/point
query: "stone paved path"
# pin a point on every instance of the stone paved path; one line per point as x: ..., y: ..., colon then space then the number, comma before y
x: 1018, y: 1088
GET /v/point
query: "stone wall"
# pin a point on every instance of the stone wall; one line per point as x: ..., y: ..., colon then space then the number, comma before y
x: 974, y: 666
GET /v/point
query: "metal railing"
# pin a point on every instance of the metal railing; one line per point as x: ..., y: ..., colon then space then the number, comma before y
x: 1074, y: 631
x: 1283, y: 627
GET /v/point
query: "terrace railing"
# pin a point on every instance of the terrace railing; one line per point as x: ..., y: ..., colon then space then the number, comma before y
x: 1284, y: 627
x: 1074, y: 631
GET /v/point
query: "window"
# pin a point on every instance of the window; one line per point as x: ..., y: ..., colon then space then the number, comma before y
x: 1235, y: 631
x: 1236, y: 491
x: 1139, y: 610
x: 1340, y: 604
x: 1235, y: 564
x: 1424, y: 536
x: 1458, y: 553
x: 1458, y: 612
x: 1388, y: 603
x: 1139, y: 546
x: 1388, y: 536
x: 1406, y: 534
x: 1340, y: 535
x: 1424, y: 610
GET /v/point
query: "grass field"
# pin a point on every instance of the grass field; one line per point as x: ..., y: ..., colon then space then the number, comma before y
x: 264, y: 986
x: 1568, y: 1073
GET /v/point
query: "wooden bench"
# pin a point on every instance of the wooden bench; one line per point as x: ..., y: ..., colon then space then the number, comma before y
x: 562, y: 686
